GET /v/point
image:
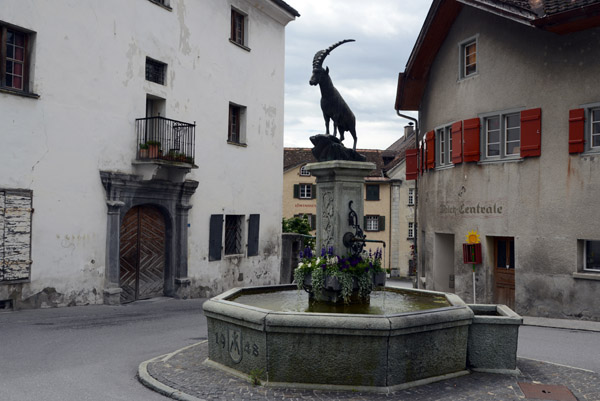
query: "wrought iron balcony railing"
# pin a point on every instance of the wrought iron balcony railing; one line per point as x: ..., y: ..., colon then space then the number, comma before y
x: 160, y: 138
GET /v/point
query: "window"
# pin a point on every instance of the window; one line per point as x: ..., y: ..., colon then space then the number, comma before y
x: 237, y: 124
x: 595, y: 129
x: 164, y: 3
x: 304, y: 172
x: 155, y: 71
x: 468, y: 58
x: 233, y: 234
x: 372, y: 192
x: 15, y: 234
x: 15, y: 58
x: 443, y: 137
x: 411, y: 230
x: 305, y: 191
x: 591, y: 256
x: 502, y: 136
x: 238, y: 28
x: 584, y: 129
x: 411, y: 196
x: 374, y: 223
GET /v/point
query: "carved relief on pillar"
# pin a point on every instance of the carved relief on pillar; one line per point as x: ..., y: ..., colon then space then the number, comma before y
x: 328, y: 219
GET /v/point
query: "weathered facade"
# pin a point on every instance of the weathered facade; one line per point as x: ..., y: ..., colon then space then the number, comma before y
x: 508, y: 103
x: 127, y: 138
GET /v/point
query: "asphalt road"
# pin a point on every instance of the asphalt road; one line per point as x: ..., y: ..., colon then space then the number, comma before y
x: 93, y: 352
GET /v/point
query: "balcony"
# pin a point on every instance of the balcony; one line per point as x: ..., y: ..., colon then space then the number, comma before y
x: 164, y: 141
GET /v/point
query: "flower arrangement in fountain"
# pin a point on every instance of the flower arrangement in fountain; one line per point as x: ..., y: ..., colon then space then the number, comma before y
x: 344, y: 269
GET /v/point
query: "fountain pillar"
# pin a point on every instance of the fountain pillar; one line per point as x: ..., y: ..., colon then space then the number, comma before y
x: 338, y: 183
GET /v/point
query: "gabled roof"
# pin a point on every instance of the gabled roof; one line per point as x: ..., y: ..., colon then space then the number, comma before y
x: 286, y: 7
x: 296, y: 157
x: 558, y: 16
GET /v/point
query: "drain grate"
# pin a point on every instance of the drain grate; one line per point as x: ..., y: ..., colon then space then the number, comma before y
x: 550, y: 392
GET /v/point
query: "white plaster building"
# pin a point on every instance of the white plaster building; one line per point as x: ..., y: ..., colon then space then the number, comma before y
x: 90, y: 212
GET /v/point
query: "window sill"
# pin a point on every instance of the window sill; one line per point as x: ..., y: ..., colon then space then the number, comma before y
x: 587, y: 276
x: 501, y: 161
x: 161, y: 5
x: 234, y: 256
x: 11, y: 282
x: 445, y: 167
x: 240, y: 45
x: 242, y: 145
x: 19, y: 93
x: 471, y: 76
x: 590, y: 153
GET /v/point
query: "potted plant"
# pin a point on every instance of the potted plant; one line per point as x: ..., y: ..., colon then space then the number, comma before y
x: 153, y: 149
x: 332, y: 278
x: 143, y: 151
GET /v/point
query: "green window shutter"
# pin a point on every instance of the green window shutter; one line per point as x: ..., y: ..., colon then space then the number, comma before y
x: 296, y: 191
x: 215, y: 238
x: 313, y: 221
x: 253, y: 231
x: 381, y: 223
x: 313, y: 192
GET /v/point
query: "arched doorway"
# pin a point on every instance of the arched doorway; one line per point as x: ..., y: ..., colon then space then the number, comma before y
x: 142, y: 254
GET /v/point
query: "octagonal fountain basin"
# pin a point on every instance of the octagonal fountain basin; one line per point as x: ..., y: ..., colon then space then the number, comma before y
x: 403, y: 338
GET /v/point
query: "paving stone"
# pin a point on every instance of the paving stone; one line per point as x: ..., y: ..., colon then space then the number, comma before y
x: 185, y: 372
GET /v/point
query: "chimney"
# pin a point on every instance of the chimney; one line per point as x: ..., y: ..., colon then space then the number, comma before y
x: 408, y: 130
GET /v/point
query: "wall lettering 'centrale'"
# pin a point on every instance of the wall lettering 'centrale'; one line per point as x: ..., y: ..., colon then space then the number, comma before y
x: 475, y: 210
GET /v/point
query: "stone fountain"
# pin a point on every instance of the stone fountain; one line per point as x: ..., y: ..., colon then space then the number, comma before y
x: 402, y: 338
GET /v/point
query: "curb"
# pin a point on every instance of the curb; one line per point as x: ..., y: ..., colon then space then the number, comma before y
x: 147, y: 380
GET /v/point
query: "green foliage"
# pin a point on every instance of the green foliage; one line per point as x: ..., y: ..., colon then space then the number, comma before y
x: 255, y: 375
x: 299, y: 225
x: 345, y: 269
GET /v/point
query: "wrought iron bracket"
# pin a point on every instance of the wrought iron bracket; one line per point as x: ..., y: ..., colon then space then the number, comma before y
x: 354, y: 241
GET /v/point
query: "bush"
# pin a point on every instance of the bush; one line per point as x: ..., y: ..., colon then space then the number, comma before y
x: 299, y: 225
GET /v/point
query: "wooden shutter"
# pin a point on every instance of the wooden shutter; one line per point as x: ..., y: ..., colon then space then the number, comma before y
x: 531, y: 132
x: 296, y: 191
x: 430, y: 141
x: 457, y: 142
x: 471, y: 141
x: 412, y: 166
x: 381, y: 224
x: 15, y: 227
x: 253, y: 231
x: 215, y: 238
x: 422, y: 155
x: 576, y: 130
x: 313, y: 192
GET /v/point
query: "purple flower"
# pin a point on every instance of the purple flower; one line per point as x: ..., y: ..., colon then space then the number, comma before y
x: 323, y: 253
x: 330, y: 251
x: 301, y: 255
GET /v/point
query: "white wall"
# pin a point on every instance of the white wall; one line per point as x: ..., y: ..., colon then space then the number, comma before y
x: 89, y: 73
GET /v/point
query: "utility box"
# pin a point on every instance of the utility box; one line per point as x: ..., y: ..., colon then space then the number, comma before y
x: 472, y: 253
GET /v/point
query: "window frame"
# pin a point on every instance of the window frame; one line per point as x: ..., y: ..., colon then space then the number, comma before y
x: 239, y: 36
x: 411, y: 196
x: 370, y: 195
x: 304, y: 172
x: 443, y: 137
x: 502, y: 116
x: 411, y: 230
x: 588, y: 130
x: 166, y: 4
x: 369, y: 225
x: 305, y: 189
x: 238, y: 232
x: 27, y: 62
x: 239, y: 112
x: 161, y: 76
x: 585, y: 269
x: 462, y: 57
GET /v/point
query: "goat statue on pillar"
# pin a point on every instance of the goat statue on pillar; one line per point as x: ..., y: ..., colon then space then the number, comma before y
x: 333, y: 105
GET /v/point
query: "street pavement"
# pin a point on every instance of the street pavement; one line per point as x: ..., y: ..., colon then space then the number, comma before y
x: 94, y: 352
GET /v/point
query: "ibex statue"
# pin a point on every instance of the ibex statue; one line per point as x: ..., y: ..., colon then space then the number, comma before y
x: 333, y: 105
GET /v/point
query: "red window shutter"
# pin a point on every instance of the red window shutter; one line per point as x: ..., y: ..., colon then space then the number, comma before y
x: 576, y: 130
x: 531, y: 132
x: 430, y: 140
x: 422, y: 158
x: 457, y: 141
x: 471, y: 140
x: 412, y: 166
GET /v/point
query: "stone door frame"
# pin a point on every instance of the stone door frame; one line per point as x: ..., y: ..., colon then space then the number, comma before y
x: 124, y: 191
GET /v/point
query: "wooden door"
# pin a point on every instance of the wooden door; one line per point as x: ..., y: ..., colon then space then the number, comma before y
x: 504, y: 271
x: 142, y: 254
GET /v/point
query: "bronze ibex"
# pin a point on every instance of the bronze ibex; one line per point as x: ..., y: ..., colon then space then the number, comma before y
x: 333, y: 105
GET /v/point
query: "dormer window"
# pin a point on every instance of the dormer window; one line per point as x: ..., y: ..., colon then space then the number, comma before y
x: 304, y: 172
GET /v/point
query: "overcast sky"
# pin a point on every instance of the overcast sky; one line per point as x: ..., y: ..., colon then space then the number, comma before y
x: 365, y: 72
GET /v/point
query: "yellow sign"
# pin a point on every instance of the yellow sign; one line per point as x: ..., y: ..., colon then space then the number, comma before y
x: 473, y: 237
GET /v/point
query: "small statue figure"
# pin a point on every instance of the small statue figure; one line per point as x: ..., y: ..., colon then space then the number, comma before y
x: 333, y: 105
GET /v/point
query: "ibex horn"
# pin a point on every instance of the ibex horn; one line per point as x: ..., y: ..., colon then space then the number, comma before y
x: 321, y: 54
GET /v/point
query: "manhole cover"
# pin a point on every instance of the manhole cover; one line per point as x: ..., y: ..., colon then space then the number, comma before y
x: 546, y: 392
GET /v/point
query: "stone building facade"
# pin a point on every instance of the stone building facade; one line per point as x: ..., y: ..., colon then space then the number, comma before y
x: 509, y: 119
